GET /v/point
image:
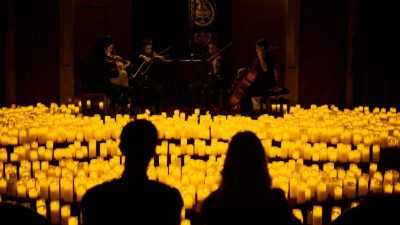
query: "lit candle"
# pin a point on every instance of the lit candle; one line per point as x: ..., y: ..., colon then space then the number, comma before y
x: 3, y: 185
x: 101, y: 105
x: 336, y: 211
x: 65, y: 214
x: 88, y: 104
x: 55, y: 212
x: 73, y: 220
x: 363, y: 185
x: 41, y: 209
x: 317, y: 215
x: 321, y: 191
x: 375, y: 153
x: 337, y: 192
x: 21, y: 190
x: 188, y: 201
x: 54, y: 190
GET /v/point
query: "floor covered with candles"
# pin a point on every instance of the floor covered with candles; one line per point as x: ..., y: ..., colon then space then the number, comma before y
x: 324, y: 158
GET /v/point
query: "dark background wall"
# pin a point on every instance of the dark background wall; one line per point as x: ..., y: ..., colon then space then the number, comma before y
x: 36, y: 51
x: 2, y: 53
x: 95, y: 19
x: 323, y: 52
x: 252, y: 20
x: 323, y: 60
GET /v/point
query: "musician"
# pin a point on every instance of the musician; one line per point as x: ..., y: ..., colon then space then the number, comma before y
x: 264, y: 65
x: 144, y: 82
x: 105, y: 69
x: 208, y: 92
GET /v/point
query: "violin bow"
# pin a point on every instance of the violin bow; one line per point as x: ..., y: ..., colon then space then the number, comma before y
x: 219, y: 51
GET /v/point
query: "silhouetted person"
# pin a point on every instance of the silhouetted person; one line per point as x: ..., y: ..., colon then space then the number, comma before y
x: 19, y: 215
x: 379, y: 210
x: 245, y: 195
x: 133, y: 199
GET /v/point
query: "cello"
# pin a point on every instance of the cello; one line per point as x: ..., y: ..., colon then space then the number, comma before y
x: 243, y: 81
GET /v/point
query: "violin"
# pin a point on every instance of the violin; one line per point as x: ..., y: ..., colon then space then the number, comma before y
x: 116, y: 58
x: 121, y: 64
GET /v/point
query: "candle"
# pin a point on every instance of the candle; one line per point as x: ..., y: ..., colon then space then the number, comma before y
x: 363, y: 185
x: 41, y: 209
x: 65, y: 214
x: 388, y: 189
x: 336, y: 211
x: 44, y: 188
x: 88, y: 104
x: 375, y: 153
x: 80, y: 191
x: 3, y: 185
x: 301, y: 198
x: 337, y: 192
x: 21, y: 190
x: 317, y: 215
x: 321, y: 192
x: 298, y: 214
x: 73, y: 220
x: 188, y: 201
x: 55, y: 212
x: 92, y: 148
x: 54, y: 190
x: 101, y: 105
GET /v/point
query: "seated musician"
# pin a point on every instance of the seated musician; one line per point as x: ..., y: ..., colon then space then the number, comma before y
x: 108, y: 73
x: 264, y: 66
x: 144, y: 80
x: 206, y: 94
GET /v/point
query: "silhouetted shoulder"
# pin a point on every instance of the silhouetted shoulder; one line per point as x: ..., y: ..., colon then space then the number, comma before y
x: 19, y: 215
x: 123, y: 200
x: 374, y: 210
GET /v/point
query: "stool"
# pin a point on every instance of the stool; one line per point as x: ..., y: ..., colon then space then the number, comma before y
x: 94, y: 103
x: 274, y: 96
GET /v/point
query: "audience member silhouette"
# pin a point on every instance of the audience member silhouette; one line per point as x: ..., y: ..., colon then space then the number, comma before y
x: 382, y: 210
x: 133, y: 199
x: 245, y: 195
x: 19, y: 215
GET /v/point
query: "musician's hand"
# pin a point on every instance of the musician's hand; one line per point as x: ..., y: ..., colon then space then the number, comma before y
x: 119, y: 65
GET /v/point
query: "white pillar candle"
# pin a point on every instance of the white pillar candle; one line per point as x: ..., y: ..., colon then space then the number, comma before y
x: 21, y: 190
x: 336, y: 211
x: 321, y: 192
x: 92, y: 148
x: 55, y: 212
x: 317, y: 215
x: 73, y: 220
x: 65, y: 214
x: 55, y: 190
x: 41, y: 210
x: 375, y: 153
x: 362, y: 186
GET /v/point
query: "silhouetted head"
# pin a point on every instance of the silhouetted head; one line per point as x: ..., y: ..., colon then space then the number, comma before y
x: 246, y: 162
x: 138, y: 141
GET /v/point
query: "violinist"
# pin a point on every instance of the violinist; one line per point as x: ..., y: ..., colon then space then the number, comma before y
x: 207, y: 93
x: 144, y: 82
x: 105, y: 68
x: 148, y: 53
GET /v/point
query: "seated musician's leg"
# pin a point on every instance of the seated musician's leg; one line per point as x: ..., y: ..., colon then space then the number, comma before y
x: 196, y: 96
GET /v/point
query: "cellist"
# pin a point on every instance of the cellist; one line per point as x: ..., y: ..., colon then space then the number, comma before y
x: 264, y: 68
